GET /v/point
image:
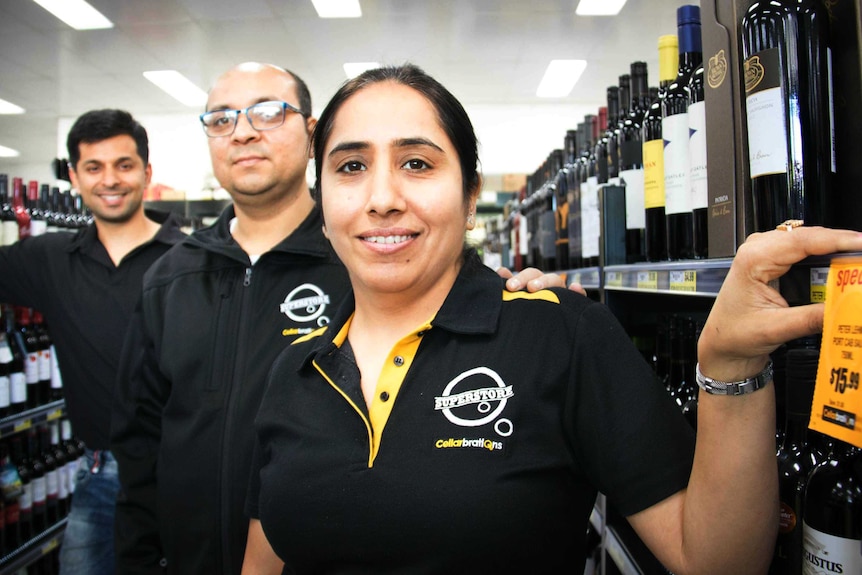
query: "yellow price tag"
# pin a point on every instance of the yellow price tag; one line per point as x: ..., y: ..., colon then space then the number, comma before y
x: 614, y: 279
x: 819, y: 277
x: 647, y: 280
x: 837, y: 399
x: 56, y: 414
x: 683, y: 281
x: 23, y: 425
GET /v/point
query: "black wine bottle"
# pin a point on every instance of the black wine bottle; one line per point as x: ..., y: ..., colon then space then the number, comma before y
x: 697, y: 162
x: 611, y: 161
x: 631, y: 163
x: 674, y: 129
x: 38, y: 223
x: 6, y: 359
x: 25, y: 501
x: 590, y: 215
x: 17, y: 376
x: 796, y: 459
x: 8, y: 221
x: 788, y: 105
x: 832, y: 530
x: 38, y: 480
x: 62, y: 459
x: 624, y: 86
x: 30, y: 341
x: 655, y: 230
x: 52, y: 476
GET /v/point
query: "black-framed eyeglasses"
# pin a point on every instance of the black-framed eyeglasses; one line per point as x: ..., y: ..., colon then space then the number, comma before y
x: 262, y: 116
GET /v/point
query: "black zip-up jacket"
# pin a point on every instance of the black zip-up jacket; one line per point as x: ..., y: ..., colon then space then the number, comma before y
x: 87, y: 302
x: 195, y: 363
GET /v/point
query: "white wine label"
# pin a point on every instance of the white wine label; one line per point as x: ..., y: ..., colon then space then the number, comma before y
x: 765, y: 114
x: 5, y: 391
x: 697, y: 155
x: 590, y: 218
x: 825, y: 554
x: 10, y: 232
x: 635, y: 209
x: 38, y: 227
x: 674, y: 130
x: 18, y: 387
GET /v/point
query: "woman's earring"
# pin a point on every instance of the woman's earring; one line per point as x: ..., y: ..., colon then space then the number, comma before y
x: 471, y: 221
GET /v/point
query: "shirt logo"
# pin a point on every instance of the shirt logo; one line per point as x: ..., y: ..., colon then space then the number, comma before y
x: 479, y: 403
x: 306, y: 303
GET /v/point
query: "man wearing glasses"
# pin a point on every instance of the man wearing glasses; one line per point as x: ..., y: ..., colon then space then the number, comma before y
x: 216, y: 310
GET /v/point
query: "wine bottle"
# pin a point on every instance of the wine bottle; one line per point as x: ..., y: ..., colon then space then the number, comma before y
x: 74, y: 453
x: 52, y: 479
x: 832, y: 527
x: 39, y: 481
x: 573, y: 199
x: 697, y: 162
x: 625, y: 99
x: 674, y: 130
x: 25, y: 501
x: 612, y: 161
x: 561, y: 218
x: 787, y: 71
x: 46, y: 362
x: 590, y: 215
x: 8, y: 221
x: 6, y: 359
x: 30, y: 343
x: 17, y: 375
x: 38, y: 223
x: 655, y: 225
x: 795, y: 459
x: 601, y: 148
x: 62, y: 459
x: 19, y: 206
x: 548, y: 211
x: 13, y: 489
x: 631, y: 163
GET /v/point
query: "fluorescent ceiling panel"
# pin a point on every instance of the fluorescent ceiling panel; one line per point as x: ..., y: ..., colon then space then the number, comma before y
x: 353, y: 69
x: 337, y: 8
x: 177, y: 86
x: 76, y: 13
x: 599, y: 7
x: 560, y: 77
x: 8, y: 152
x: 10, y: 108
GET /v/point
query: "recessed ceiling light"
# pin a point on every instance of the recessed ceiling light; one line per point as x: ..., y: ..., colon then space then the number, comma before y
x: 599, y: 7
x: 353, y: 69
x: 337, y: 8
x: 8, y: 152
x: 76, y: 13
x: 177, y: 86
x: 560, y: 77
x: 10, y: 108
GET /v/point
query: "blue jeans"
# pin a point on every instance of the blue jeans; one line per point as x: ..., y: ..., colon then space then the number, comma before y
x: 88, y: 542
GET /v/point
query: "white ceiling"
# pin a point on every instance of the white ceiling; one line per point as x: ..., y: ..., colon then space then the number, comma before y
x: 489, y: 53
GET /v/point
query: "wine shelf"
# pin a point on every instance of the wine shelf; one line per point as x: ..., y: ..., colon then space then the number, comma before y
x: 24, y: 420
x: 33, y: 550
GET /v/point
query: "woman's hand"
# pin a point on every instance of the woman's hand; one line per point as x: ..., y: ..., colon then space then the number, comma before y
x: 534, y: 280
x: 749, y: 318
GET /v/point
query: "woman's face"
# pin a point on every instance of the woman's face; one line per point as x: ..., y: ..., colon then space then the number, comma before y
x: 391, y: 191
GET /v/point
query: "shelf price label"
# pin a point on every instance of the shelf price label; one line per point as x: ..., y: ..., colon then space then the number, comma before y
x: 819, y: 277
x: 614, y: 279
x: 647, y: 280
x: 683, y: 281
x: 837, y: 399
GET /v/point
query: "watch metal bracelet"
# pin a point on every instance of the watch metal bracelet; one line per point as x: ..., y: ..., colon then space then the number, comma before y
x: 750, y: 385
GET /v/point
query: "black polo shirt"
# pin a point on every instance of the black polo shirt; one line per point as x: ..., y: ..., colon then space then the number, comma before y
x: 492, y: 429
x: 87, y: 302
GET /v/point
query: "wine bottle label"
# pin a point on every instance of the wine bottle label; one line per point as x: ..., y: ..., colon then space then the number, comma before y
x: 697, y: 155
x: 45, y: 365
x: 52, y: 486
x: 39, y: 490
x: 524, y: 240
x: 787, y: 518
x: 56, y: 377
x: 10, y: 232
x: 590, y: 218
x: 38, y: 227
x: 5, y: 352
x: 824, y: 553
x: 5, y: 391
x: 635, y: 210
x: 25, y: 502
x: 765, y: 114
x: 31, y: 368
x: 653, y: 154
x: 63, y: 482
x: 674, y: 130
x: 18, y: 387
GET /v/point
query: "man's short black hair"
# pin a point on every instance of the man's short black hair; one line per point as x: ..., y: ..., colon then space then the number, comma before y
x: 97, y: 125
x: 302, y: 93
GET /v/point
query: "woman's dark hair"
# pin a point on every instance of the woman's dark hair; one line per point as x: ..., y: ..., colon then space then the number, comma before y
x: 98, y: 125
x: 450, y: 113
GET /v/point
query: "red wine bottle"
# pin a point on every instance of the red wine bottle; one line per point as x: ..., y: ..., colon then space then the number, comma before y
x: 38, y: 480
x: 796, y: 459
x: 788, y: 105
x: 38, y: 223
x: 8, y: 221
x: 17, y: 375
x: 52, y: 479
x: 573, y: 199
x: 25, y: 501
x: 30, y: 342
x: 631, y: 163
x: 6, y: 359
x: 62, y: 458
x: 655, y: 230
x: 832, y: 530
x: 674, y: 129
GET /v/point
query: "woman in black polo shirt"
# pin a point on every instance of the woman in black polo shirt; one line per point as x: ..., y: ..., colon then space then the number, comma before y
x: 441, y: 425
